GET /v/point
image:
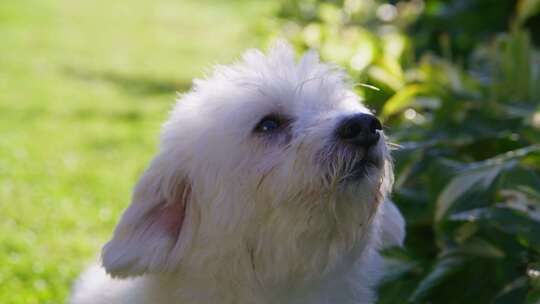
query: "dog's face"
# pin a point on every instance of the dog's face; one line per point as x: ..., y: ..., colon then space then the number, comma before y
x: 266, y: 154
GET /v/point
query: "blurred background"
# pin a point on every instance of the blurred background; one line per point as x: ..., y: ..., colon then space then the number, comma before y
x: 85, y: 85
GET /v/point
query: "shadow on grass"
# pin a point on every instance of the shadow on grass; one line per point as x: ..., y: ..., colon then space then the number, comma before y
x: 132, y: 84
x: 132, y: 115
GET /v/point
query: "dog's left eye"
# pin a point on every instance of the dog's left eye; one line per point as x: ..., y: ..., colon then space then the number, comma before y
x: 268, y: 124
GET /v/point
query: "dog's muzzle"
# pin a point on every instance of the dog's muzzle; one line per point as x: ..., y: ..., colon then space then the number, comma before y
x: 361, y: 132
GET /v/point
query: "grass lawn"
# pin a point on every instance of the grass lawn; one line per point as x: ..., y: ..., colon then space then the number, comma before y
x: 84, y: 86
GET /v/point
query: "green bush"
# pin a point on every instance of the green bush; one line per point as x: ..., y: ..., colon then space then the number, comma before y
x: 459, y: 91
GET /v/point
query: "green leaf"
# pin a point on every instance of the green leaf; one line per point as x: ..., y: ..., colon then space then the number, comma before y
x: 396, y: 268
x: 478, y: 247
x: 506, y: 219
x: 397, y: 262
x: 329, y: 13
x: 514, y: 292
x: 527, y: 9
x: 533, y: 296
x: 442, y: 269
x: 478, y: 176
x: 401, y: 100
x: 483, y: 177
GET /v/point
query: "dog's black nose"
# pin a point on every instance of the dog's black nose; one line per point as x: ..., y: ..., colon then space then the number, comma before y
x: 360, y: 129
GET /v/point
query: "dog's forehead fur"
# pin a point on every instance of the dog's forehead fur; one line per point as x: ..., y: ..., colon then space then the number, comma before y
x: 225, y: 107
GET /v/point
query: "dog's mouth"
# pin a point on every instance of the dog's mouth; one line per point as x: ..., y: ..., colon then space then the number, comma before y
x: 363, y: 168
x: 347, y: 168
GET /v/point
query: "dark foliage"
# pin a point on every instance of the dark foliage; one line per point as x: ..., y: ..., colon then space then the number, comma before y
x: 459, y: 90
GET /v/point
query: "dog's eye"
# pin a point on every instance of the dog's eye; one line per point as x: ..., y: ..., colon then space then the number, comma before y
x: 268, y: 124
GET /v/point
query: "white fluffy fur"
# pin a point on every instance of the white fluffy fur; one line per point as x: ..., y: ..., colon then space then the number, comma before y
x: 265, y: 219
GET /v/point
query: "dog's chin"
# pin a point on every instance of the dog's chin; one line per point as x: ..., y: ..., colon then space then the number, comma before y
x: 366, y: 168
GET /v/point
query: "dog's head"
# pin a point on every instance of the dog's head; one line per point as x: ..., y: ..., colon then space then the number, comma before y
x: 269, y: 155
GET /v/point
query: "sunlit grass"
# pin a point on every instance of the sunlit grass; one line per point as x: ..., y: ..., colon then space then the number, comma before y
x: 84, y: 86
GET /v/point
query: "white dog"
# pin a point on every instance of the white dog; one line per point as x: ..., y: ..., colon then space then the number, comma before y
x: 270, y: 186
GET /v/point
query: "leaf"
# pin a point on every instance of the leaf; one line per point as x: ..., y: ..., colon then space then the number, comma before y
x: 483, y: 177
x: 406, y: 164
x: 527, y: 9
x: 442, y: 269
x: 394, y: 44
x: 514, y: 292
x: 401, y: 100
x: 479, y: 175
x: 521, y: 201
x: 506, y: 219
x: 396, y: 268
x: 397, y: 263
x: 382, y: 75
x: 329, y: 13
x: 478, y: 247
x: 533, y: 296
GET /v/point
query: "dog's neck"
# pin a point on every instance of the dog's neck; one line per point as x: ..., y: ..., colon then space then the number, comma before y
x: 283, y: 250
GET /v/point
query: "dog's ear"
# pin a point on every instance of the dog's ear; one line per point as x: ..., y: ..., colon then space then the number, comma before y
x: 149, y: 236
x: 393, y: 226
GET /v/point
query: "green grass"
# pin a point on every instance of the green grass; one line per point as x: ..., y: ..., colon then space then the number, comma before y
x: 84, y: 87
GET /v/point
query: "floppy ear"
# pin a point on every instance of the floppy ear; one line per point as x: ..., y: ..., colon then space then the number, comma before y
x: 149, y: 235
x: 393, y: 226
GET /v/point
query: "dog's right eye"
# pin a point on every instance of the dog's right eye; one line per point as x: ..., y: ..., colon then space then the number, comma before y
x: 268, y: 124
